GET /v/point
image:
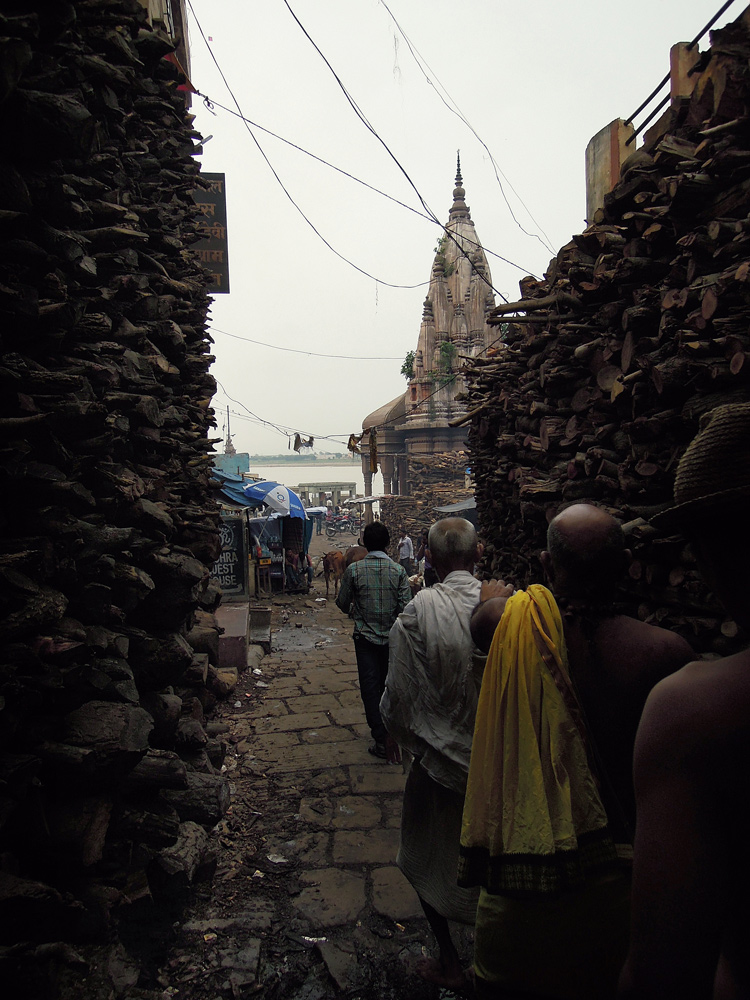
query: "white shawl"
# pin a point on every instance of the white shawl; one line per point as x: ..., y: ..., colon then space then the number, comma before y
x: 434, y: 676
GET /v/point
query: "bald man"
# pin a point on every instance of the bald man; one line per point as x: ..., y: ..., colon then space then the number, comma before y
x: 615, y: 660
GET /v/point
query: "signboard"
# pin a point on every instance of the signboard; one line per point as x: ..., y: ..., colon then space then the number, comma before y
x: 213, y: 249
x: 230, y: 569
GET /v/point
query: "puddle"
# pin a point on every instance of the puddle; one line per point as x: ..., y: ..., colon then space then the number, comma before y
x: 290, y: 639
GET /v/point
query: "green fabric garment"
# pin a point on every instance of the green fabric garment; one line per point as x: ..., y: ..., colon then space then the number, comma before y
x: 374, y: 592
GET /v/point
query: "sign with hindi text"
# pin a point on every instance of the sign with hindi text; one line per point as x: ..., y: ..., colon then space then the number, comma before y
x: 213, y: 249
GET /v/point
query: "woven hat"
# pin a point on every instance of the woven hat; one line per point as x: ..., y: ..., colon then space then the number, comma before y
x: 715, y: 469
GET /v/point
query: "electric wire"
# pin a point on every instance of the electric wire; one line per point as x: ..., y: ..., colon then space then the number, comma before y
x: 280, y: 429
x: 279, y: 180
x: 295, y: 350
x: 360, y: 114
x: 455, y: 110
x: 211, y: 103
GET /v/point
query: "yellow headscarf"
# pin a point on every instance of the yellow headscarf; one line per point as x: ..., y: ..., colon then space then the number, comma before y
x: 533, y: 821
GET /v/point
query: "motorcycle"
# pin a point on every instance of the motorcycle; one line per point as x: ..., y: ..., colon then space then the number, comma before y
x: 339, y: 524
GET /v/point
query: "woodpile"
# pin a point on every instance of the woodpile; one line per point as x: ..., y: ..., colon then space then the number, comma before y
x: 433, y: 481
x: 641, y: 324
x: 109, y: 775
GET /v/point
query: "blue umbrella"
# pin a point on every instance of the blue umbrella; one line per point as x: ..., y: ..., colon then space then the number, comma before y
x: 277, y: 497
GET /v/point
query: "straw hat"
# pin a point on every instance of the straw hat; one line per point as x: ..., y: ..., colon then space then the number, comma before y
x: 715, y: 469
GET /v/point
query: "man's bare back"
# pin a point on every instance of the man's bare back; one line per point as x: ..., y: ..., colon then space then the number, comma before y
x: 614, y: 660
x: 692, y: 773
x: 614, y: 663
x: 691, y: 874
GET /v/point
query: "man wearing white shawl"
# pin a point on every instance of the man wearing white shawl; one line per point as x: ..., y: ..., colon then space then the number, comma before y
x: 429, y: 705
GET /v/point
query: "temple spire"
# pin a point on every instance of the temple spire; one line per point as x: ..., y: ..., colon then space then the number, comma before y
x: 459, y: 209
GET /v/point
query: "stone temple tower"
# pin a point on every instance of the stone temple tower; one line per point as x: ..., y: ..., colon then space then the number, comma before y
x: 454, y: 326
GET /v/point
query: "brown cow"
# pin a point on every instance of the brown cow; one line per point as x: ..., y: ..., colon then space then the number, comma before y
x: 334, y: 565
x: 354, y: 553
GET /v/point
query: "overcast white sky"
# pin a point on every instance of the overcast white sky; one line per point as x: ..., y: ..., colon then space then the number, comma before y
x: 536, y: 79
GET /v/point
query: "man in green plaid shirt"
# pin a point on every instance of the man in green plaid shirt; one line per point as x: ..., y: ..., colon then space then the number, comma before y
x: 374, y: 592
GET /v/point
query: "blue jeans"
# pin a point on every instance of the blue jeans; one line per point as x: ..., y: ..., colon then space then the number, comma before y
x: 372, y: 667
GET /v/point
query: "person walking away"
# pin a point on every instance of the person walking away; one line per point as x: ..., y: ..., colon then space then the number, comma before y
x: 406, y: 551
x: 373, y: 592
x: 552, y: 912
x: 613, y: 662
x: 428, y: 707
x: 423, y: 555
x: 419, y: 555
x: 690, y: 926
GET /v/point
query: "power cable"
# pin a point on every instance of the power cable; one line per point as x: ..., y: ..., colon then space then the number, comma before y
x: 278, y: 179
x: 294, y: 350
x: 282, y: 429
x: 448, y: 233
x: 360, y: 114
x: 211, y: 103
x: 419, y: 59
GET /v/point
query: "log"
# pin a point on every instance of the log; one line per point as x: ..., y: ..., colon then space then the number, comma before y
x: 204, y: 801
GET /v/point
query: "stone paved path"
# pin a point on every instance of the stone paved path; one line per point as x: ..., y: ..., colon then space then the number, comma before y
x: 307, y: 901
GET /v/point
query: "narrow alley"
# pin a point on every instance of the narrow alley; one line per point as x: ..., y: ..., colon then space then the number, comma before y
x: 306, y: 901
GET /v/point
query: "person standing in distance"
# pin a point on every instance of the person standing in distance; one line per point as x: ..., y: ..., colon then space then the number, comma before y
x: 406, y: 551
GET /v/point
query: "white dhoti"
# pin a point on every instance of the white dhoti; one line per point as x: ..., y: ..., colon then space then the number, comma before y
x: 428, y: 852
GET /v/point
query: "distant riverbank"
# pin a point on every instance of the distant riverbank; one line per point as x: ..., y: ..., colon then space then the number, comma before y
x: 306, y: 460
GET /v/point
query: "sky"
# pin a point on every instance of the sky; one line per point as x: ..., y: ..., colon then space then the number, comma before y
x: 534, y: 80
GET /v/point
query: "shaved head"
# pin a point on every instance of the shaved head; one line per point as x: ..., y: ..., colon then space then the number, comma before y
x: 586, y: 553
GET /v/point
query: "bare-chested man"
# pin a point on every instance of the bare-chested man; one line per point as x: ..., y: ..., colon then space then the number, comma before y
x: 691, y: 879
x: 615, y: 660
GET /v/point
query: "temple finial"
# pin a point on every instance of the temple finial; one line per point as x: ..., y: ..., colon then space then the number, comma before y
x: 459, y: 209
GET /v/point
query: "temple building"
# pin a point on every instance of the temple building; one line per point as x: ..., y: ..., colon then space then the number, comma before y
x: 416, y: 425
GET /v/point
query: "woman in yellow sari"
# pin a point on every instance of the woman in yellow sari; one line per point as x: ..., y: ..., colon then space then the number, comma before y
x: 552, y: 919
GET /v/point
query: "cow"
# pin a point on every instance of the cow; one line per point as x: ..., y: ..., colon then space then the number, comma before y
x: 354, y: 553
x: 334, y: 565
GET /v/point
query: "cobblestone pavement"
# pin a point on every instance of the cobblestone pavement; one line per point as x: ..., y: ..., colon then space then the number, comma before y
x: 307, y: 902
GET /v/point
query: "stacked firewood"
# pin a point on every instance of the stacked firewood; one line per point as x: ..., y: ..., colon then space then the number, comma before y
x: 641, y: 324
x: 433, y: 481
x: 108, y: 648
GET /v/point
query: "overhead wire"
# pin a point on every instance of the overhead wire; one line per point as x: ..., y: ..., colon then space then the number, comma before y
x: 295, y: 350
x: 279, y: 180
x: 278, y: 428
x: 282, y: 429
x: 454, y: 109
x: 212, y: 103
x: 360, y: 114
